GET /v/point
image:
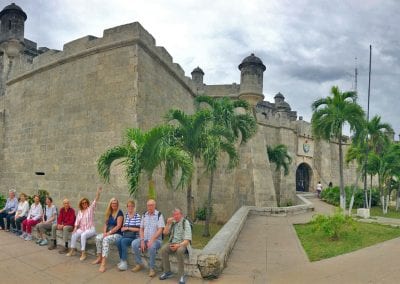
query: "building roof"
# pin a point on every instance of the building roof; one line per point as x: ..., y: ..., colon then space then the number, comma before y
x: 252, y: 60
x: 14, y: 8
x: 197, y: 70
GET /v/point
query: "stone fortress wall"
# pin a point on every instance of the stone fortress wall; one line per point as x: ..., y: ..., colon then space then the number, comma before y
x: 59, y: 110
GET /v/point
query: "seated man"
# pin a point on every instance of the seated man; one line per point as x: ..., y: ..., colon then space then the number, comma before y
x: 9, y: 210
x: 151, y: 228
x: 180, y: 237
x: 65, y: 223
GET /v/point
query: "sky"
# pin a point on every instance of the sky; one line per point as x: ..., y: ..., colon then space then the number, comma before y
x: 307, y: 46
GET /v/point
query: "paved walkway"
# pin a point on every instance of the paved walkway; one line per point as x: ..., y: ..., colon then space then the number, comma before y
x: 26, y: 262
x: 268, y: 251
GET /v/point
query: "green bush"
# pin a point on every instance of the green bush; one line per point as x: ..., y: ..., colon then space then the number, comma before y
x: 332, y: 196
x: 333, y: 226
x: 201, y: 213
x: 3, y: 201
x: 42, y: 196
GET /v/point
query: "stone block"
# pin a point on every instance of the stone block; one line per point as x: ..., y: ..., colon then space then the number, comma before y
x: 363, y: 213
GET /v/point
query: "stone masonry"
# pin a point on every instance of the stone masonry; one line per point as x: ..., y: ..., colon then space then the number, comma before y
x: 60, y: 110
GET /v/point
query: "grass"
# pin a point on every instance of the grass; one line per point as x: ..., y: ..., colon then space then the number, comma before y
x: 377, y: 211
x: 198, y: 241
x: 318, y: 246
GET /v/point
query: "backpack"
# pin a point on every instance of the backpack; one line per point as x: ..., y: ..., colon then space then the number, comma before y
x: 158, y: 218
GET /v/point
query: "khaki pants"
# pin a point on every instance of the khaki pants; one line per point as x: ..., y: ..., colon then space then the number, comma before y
x: 180, y: 254
x: 66, y: 232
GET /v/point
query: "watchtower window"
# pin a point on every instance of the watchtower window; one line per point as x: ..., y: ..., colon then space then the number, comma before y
x: 9, y: 24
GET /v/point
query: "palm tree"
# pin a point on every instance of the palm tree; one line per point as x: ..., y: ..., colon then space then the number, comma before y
x: 144, y: 152
x: 228, y: 126
x: 191, y: 134
x: 330, y: 114
x: 375, y: 133
x: 387, y: 166
x: 280, y: 157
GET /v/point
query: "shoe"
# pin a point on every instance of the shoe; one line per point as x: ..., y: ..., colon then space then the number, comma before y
x: 165, y: 275
x: 182, y: 280
x: 123, y: 265
x: 63, y: 250
x: 83, y: 256
x: 44, y: 242
x: 52, y: 246
x: 38, y: 241
x: 23, y: 235
x: 152, y: 273
x: 71, y: 252
x: 98, y: 259
x: 28, y: 238
x: 137, y: 268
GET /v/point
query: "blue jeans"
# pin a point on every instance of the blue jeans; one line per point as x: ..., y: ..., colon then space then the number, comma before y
x: 152, y: 252
x: 122, y: 245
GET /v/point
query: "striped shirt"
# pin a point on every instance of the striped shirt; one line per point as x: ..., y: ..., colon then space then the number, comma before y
x: 132, y: 222
x: 85, y: 218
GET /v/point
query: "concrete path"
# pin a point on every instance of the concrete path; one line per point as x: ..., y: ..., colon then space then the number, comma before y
x: 26, y: 262
x: 268, y: 251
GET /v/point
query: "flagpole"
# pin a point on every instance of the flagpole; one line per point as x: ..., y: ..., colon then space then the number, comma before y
x: 366, y: 151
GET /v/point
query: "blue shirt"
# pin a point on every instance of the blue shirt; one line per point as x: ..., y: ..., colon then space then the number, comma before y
x: 11, y: 204
x: 112, y: 222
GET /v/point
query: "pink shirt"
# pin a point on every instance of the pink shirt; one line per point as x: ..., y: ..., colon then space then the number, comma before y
x: 85, y: 218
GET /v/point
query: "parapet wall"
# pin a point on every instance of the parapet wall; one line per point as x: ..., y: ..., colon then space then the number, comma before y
x: 125, y: 35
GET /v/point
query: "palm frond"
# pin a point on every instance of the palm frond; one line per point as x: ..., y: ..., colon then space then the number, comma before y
x: 105, y: 160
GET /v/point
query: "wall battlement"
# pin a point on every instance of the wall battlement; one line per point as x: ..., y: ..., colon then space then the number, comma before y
x: 125, y: 35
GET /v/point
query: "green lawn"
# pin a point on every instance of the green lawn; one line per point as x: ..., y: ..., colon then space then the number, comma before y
x: 318, y: 246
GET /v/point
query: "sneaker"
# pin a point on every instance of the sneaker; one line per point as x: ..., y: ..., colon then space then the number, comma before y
x: 38, y: 240
x: 44, y: 242
x: 152, y: 273
x: 182, y: 280
x: 165, y: 275
x: 137, y: 268
x: 123, y: 265
x: 52, y: 246
x: 28, y: 238
x: 23, y: 235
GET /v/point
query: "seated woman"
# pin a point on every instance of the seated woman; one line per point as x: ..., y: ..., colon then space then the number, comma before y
x: 9, y: 210
x: 111, y: 233
x: 20, y: 214
x: 84, y: 225
x: 130, y: 231
x: 34, y: 216
x: 49, y: 218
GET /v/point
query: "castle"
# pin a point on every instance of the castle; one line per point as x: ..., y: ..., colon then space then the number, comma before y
x: 59, y: 110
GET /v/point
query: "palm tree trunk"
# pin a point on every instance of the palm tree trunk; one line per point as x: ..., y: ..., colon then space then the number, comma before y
x: 353, y: 192
x: 398, y: 199
x: 152, y: 190
x: 206, y: 232
x: 189, y: 209
x: 342, y: 191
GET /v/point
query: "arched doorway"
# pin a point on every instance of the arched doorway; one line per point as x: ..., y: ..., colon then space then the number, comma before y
x: 303, y: 177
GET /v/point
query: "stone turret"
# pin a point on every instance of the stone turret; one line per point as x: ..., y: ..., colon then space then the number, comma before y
x: 12, y: 26
x: 197, y: 77
x: 251, y: 79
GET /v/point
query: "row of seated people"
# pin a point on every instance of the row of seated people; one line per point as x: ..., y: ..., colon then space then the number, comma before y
x: 141, y: 233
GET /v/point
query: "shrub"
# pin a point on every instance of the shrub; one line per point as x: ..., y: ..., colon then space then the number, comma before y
x: 332, y: 196
x: 42, y: 196
x: 3, y: 201
x: 201, y: 213
x: 333, y: 226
